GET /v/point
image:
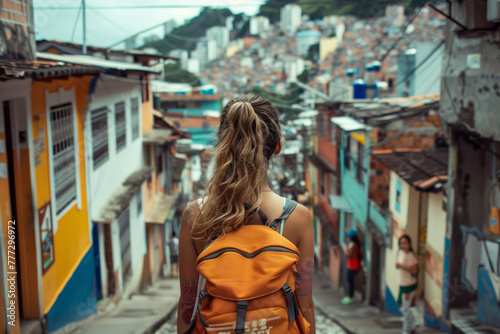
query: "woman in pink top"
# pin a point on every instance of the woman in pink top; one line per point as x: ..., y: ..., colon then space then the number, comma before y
x: 408, y: 268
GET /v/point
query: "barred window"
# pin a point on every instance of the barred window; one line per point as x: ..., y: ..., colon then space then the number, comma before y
x: 100, y: 147
x: 63, y: 153
x: 139, y: 202
x: 124, y: 225
x: 135, y: 118
x: 120, y: 125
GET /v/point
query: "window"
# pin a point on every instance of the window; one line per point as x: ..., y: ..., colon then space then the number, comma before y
x: 159, y: 160
x: 333, y: 133
x: 360, y: 172
x: 120, y: 125
x: 139, y: 202
x: 135, y: 118
x: 324, y: 125
x: 100, y: 147
x: 347, y: 148
x: 322, y: 181
x: 355, y: 158
x: 145, y: 88
x: 63, y: 153
x: 331, y: 185
x: 124, y: 225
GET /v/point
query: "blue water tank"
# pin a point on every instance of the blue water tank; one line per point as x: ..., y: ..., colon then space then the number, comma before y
x: 377, y: 66
x: 359, y: 89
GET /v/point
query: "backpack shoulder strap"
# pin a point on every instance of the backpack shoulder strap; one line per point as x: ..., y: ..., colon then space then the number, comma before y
x: 288, y: 207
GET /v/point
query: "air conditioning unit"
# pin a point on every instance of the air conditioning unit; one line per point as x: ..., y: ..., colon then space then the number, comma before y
x: 493, y: 11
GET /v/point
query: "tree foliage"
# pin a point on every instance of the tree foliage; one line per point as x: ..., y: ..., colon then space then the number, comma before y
x: 186, y: 36
x: 318, y: 9
x: 174, y: 73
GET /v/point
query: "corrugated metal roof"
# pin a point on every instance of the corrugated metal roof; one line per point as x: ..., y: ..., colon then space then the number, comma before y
x: 349, y: 124
x: 423, y: 170
x: 19, y: 69
x: 161, y: 207
x: 95, y: 62
x: 390, y: 109
x: 157, y: 136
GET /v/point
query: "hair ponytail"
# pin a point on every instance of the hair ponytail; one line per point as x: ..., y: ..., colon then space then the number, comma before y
x: 247, y: 137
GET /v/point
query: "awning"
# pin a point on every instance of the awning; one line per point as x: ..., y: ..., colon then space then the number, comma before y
x: 157, y: 136
x: 171, y: 214
x: 179, y: 163
x: 321, y: 164
x: 160, y: 210
x: 139, y: 176
x: 121, y: 198
x: 339, y: 203
x: 115, y: 205
x: 349, y: 124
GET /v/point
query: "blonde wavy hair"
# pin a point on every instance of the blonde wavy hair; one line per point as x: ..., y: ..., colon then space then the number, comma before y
x: 247, y: 137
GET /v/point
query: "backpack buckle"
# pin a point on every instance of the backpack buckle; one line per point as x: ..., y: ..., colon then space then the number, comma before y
x: 242, y: 305
x: 287, y: 290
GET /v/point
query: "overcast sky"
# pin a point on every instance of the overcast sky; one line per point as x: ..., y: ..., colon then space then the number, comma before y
x: 106, y: 26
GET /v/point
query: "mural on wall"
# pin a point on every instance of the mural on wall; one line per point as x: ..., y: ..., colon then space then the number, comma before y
x: 399, y: 187
x: 488, y: 259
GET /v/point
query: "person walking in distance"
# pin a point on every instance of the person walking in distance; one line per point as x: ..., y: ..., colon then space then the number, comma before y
x: 173, y: 244
x: 353, y: 253
x: 408, y: 268
x: 246, y: 252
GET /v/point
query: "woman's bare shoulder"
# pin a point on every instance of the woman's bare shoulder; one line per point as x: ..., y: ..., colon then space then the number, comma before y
x: 301, y: 216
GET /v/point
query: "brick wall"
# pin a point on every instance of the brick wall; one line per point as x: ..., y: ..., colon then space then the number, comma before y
x: 421, y: 135
x: 16, y: 29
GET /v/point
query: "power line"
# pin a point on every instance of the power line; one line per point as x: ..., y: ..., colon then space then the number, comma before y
x: 420, y: 64
x: 76, y: 23
x: 109, y: 21
x: 414, y: 16
x: 149, y: 7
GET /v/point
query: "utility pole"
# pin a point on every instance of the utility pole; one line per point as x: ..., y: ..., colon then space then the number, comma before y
x: 84, y: 29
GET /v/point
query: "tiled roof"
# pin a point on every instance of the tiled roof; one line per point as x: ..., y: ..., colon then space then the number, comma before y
x: 189, y: 97
x: 44, y: 45
x: 19, y: 69
x: 195, y: 122
x: 424, y: 170
x: 95, y: 62
x: 388, y: 109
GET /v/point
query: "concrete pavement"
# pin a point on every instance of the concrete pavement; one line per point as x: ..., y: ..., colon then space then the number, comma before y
x: 355, y: 318
x: 154, y: 311
x: 141, y: 314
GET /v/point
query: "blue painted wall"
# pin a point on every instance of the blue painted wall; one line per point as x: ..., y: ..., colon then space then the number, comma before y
x: 430, y: 320
x: 202, y: 136
x: 205, y: 105
x: 391, y: 304
x: 488, y: 310
x: 378, y: 219
x: 355, y: 194
x: 77, y: 300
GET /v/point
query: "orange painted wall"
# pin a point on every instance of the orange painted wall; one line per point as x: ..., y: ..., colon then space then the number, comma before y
x: 72, y: 239
x: 26, y: 249
x: 147, y: 114
x: 5, y: 213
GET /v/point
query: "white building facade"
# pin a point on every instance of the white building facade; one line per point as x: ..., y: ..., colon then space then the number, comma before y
x: 290, y: 18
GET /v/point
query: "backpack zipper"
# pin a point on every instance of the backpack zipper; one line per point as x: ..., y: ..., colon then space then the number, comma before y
x: 245, y: 254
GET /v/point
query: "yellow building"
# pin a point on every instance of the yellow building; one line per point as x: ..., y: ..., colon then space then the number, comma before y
x: 44, y: 191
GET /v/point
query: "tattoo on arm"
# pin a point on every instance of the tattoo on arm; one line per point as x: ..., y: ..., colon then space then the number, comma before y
x: 305, y: 275
x: 189, y: 288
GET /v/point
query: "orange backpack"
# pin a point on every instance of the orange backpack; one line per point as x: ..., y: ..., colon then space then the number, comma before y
x: 248, y: 282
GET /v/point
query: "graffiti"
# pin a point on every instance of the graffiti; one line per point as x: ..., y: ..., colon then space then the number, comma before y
x: 487, y: 257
